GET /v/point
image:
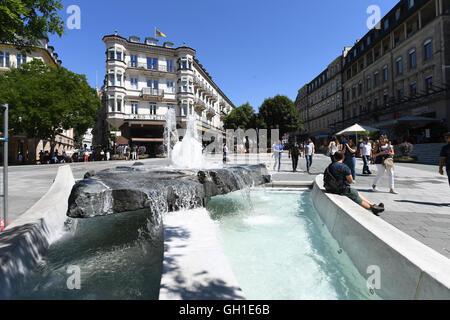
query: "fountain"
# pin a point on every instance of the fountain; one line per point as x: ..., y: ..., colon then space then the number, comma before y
x: 187, y: 154
x: 186, y: 183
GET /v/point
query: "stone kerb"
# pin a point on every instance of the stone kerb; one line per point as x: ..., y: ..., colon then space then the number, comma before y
x: 23, y: 242
x: 408, y: 268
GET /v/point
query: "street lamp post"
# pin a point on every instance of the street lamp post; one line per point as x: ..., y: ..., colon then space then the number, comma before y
x: 5, y: 165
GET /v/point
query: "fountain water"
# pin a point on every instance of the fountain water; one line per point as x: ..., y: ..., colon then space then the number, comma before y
x: 187, y: 154
x: 170, y: 132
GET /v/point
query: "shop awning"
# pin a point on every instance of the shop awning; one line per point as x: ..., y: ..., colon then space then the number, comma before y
x: 147, y: 139
x: 412, y: 120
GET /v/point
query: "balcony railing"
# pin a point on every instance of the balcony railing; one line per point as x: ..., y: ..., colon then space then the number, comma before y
x: 150, y: 93
x: 210, y: 112
x: 151, y: 67
x: 153, y: 117
x: 200, y: 105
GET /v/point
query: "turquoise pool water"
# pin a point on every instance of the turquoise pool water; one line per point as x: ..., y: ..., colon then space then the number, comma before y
x: 279, y: 249
x: 118, y: 259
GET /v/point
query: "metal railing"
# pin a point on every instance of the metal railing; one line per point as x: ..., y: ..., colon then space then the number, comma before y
x: 152, y: 92
x: 151, y: 67
x: 153, y: 117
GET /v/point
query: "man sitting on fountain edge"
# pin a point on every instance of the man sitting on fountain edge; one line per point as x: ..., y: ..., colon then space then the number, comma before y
x: 337, y: 180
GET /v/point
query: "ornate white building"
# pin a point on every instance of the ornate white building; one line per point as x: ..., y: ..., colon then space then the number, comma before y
x: 143, y: 80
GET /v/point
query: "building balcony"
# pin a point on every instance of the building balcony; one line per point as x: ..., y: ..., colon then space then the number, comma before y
x: 152, y: 94
x: 210, y: 112
x: 199, y: 105
x: 223, y: 114
x: 147, y: 117
x: 150, y: 67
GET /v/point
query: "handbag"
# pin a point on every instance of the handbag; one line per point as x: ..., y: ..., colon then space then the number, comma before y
x: 388, y: 163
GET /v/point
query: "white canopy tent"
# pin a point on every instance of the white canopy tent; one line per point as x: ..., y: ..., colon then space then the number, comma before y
x: 355, y: 129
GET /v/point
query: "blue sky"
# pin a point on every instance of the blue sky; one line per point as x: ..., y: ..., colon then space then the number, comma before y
x: 253, y: 49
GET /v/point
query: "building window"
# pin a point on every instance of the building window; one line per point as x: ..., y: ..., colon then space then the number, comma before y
x: 119, y: 55
x: 119, y: 79
x: 184, y: 110
x: 21, y: 59
x: 119, y: 104
x: 386, y: 24
x: 413, y: 88
x: 170, y: 86
x: 134, y: 108
x: 134, y: 83
x: 399, y: 66
x: 134, y: 60
x: 153, y: 109
x: 169, y: 66
x: 111, y: 104
x: 400, y: 94
x: 360, y: 88
x: 111, y: 53
x: 376, y: 79
x: 369, y: 83
x: 353, y: 92
x: 428, y: 84
x: 152, y: 64
x: 111, y: 78
x: 348, y: 94
x: 4, y: 59
x: 412, y: 58
x: 410, y: 4
x: 427, y: 50
x: 385, y: 73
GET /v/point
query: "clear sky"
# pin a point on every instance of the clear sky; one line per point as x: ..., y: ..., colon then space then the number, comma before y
x: 253, y: 49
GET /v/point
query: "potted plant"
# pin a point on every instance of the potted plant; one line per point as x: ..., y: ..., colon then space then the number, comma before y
x: 405, y: 149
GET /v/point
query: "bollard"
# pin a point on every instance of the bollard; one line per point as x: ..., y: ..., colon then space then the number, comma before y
x: 2, y: 224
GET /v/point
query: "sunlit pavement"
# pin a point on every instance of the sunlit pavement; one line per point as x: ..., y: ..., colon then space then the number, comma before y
x: 421, y: 209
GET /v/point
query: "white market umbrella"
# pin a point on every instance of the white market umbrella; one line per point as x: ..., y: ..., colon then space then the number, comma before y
x: 355, y: 129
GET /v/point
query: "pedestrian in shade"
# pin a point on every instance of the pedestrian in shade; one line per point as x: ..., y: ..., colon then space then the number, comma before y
x: 445, y: 157
x: 295, y: 153
x: 349, y: 150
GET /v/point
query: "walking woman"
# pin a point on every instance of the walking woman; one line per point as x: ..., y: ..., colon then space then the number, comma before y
x: 333, y: 147
x: 349, y: 149
x: 384, y: 160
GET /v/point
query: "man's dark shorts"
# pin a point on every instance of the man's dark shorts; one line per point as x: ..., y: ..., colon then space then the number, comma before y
x: 354, y: 195
x: 448, y: 174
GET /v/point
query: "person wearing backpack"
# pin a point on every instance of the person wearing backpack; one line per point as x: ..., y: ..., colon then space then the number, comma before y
x: 338, y: 178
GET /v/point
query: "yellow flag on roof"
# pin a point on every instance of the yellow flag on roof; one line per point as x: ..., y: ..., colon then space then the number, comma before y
x: 160, y: 34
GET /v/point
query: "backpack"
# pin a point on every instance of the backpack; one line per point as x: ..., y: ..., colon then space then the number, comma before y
x: 330, y: 183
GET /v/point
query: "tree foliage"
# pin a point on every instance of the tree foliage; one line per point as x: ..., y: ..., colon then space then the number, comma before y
x: 45, y: 100
x: 280, y: 113
x: 24, y: 22
x: 243, y: 117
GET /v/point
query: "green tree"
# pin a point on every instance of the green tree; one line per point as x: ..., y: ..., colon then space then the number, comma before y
x: 243, y: 117
x: 24, y: 22
x: 45, y: 100
x: 280, y: 113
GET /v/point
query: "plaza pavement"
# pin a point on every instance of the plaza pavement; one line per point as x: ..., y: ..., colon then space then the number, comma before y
x: 421, y: 209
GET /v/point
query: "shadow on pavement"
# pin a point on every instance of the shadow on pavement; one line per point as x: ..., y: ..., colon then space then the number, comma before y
x: 425, y: 203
